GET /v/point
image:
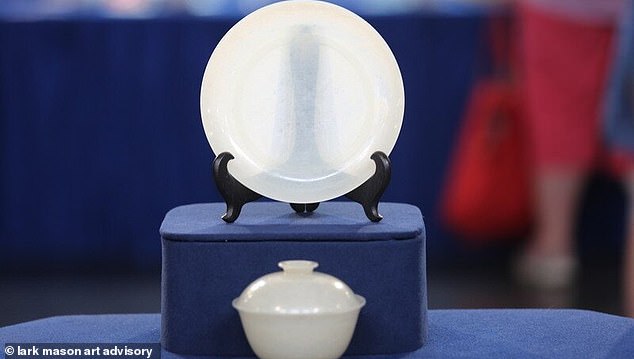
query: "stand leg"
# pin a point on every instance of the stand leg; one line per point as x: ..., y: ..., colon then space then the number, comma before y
x: 370, y: 192
x: 233, y: 192
x: 304, y: 208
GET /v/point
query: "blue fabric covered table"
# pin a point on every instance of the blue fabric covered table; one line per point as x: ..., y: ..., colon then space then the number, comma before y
x: 530, y: 333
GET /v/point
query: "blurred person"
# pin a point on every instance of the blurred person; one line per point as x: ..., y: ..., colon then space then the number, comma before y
x: 566, y: 51
x: 619, y: 130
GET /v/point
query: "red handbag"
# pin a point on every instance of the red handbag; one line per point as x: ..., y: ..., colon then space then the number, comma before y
x: 488, y: 197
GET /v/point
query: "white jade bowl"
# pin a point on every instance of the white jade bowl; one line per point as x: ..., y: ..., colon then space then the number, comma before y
x: 298, y: 313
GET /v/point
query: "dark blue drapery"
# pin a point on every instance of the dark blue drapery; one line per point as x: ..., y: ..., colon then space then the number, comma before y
x: 100, y: 131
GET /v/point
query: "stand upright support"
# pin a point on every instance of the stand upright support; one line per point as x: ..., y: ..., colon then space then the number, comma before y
x: 232, y: 191
x: 369, y: 193
x: 236, y: 195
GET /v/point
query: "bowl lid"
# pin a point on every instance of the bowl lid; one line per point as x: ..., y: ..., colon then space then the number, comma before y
x: 298, y: 289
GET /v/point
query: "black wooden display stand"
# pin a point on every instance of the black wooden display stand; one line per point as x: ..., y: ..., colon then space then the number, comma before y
x: 367, y: 194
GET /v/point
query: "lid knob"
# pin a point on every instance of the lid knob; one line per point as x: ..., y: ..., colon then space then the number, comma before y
x: 298, y: 266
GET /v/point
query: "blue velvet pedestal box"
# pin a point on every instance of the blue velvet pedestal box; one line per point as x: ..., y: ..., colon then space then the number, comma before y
x: 207, y: 263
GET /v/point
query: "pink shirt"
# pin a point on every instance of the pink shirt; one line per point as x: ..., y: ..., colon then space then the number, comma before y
x: 601, y: 11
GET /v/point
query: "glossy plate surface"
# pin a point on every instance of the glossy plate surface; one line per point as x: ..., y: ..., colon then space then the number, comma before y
x: 302, y: 93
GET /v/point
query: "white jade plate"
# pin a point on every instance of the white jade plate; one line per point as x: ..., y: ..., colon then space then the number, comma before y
x: 302, y: 93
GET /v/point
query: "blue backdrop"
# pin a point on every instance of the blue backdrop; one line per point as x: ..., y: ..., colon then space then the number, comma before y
x: 100, y: 131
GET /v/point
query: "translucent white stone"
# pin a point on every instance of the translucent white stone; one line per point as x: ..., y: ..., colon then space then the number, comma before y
x: 294, y: 313
x: 302, y: 93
